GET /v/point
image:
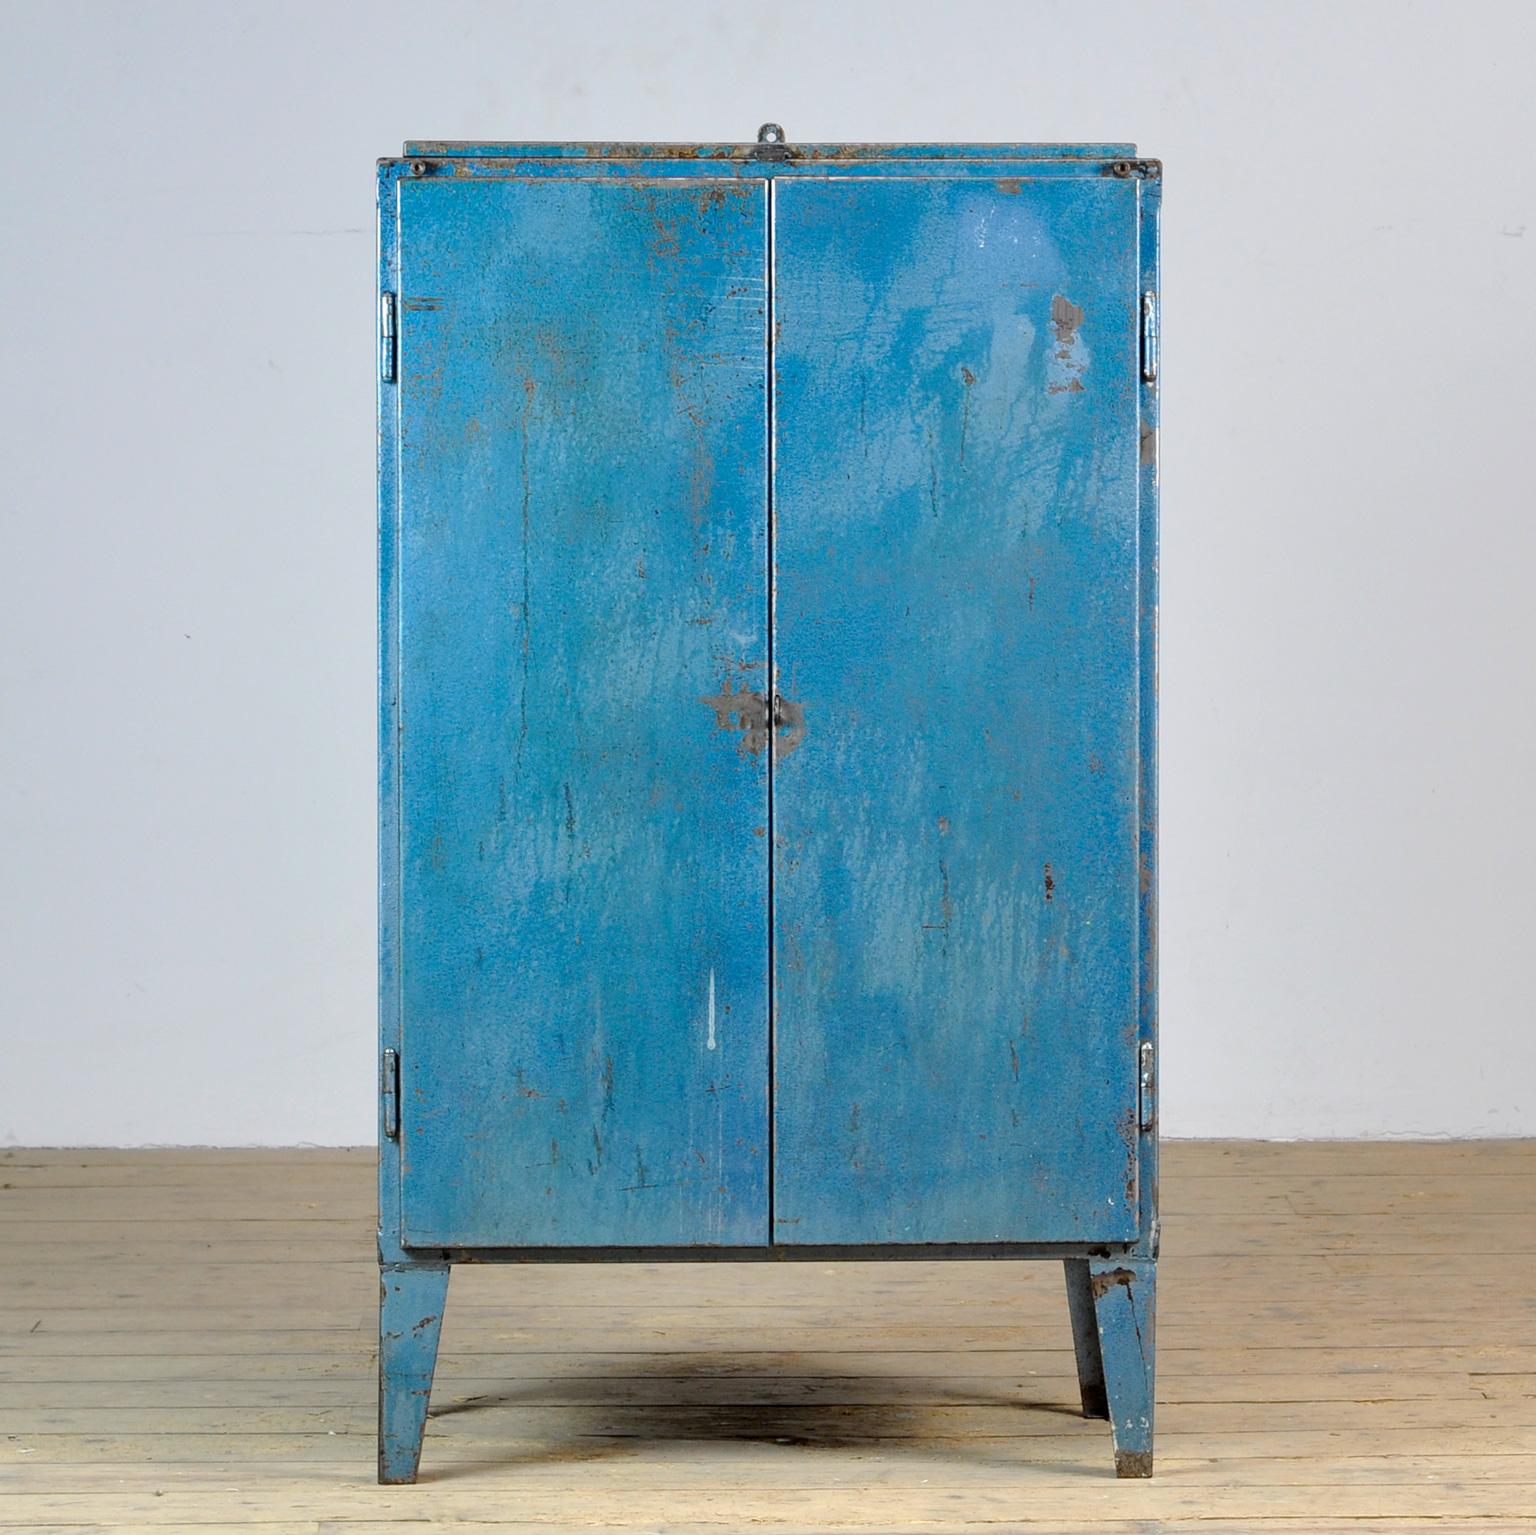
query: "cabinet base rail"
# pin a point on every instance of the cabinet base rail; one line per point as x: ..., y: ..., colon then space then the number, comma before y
x: 1111, y: 1299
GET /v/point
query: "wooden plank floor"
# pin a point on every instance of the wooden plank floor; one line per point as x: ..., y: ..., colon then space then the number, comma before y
x: 1347, y: 1341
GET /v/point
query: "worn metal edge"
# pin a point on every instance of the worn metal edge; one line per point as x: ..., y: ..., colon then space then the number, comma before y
x: 1149, y: 193
x: 618, y: 150
x: 389, y: 999
x: 451, y: 170
x: 768, y: 1253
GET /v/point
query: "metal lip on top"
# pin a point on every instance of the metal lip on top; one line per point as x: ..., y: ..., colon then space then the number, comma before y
x: 452, y: 149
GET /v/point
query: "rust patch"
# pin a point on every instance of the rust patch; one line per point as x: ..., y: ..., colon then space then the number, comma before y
x: 666, y: 245
x: 1067, y: 362
x: 1102, y: 1283
x: 1050, y: 883
x: 789, y: 727
x: 1148, y: 445
x: 619, y: 150
x: 1129, y: 1127
x: 1010, y: 186
x: 1066, y: 320
x: 744, y: 710
x: 829, y: 152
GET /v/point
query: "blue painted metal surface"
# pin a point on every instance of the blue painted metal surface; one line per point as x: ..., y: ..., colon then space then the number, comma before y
x: 1085, y: 1338
x: 411, y: 1300
x: 581, y: 747
x: 582, y: 615
x: 1124, y: 1295
x: 956, y: 880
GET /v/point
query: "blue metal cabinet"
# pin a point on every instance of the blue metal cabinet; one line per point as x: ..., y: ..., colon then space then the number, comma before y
x: 767, y: 721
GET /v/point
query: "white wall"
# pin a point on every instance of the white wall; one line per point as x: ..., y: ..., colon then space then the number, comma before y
x: 186, y: 423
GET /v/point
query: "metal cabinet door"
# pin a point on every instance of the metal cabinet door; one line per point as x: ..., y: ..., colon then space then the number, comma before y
x: 582, y: 885
x: 957, y: 614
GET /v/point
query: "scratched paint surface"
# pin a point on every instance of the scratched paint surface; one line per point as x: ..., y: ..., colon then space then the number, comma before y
x: 956, y: 885
x: 583, y: 873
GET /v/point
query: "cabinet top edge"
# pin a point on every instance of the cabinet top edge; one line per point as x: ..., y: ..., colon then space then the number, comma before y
x: 768, y: 154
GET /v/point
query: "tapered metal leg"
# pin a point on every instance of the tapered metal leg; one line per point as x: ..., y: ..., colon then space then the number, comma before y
x: 1124, y: 1296
x: 1085, y: 1339
x: 411, y: 1298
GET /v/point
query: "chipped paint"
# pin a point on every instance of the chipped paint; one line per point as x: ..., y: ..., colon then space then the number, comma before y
x: 1123, y: 1296
x: 1069, y: 358
x: 745, y: 712
x: 742, y: 711
x: 789, y: 727
x: 1104, y: 1280
x: 410, y: 1323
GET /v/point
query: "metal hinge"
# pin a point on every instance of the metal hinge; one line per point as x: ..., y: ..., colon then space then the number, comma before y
x: 1146, y: 1086
x: 387, y: 337
x: 389, y: 1089
x: 1149, y: 337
